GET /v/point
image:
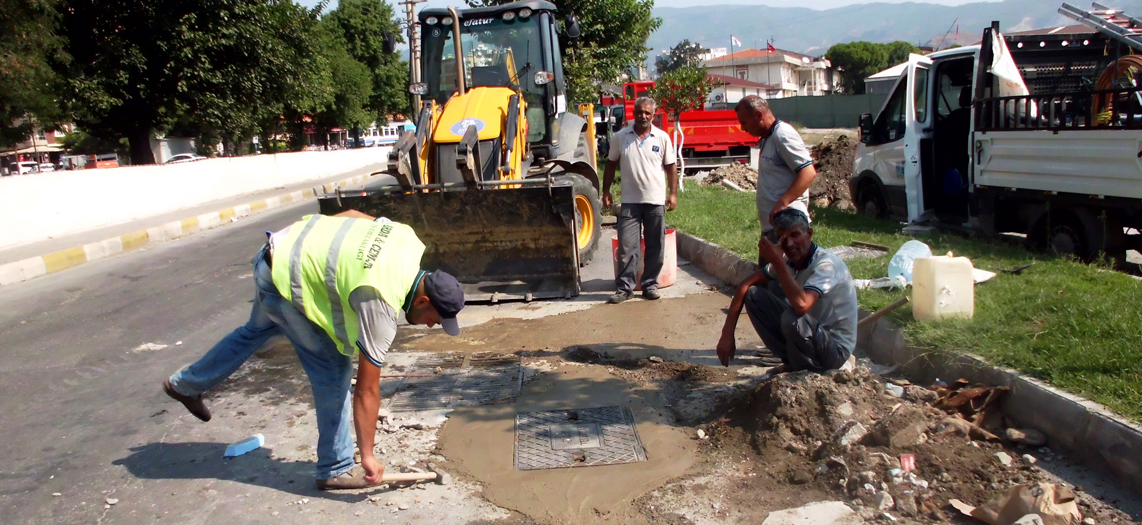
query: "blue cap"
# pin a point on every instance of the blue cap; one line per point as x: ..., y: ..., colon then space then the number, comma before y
x: 447, y: 298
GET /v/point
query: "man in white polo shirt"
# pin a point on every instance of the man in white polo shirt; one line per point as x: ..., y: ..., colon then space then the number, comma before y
x: 646, y: 156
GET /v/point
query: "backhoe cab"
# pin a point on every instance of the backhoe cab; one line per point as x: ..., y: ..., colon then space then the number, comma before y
x: 499, y: 179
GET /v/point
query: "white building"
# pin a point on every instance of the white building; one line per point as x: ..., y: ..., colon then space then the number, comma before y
x: 790, y: 74
x: 715, y: 52
x: 728, y: 91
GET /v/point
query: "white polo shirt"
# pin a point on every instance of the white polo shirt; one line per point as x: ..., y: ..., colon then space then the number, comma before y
x: 642, y: 162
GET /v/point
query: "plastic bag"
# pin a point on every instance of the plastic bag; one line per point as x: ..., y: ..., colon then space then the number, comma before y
x: 901, y: 263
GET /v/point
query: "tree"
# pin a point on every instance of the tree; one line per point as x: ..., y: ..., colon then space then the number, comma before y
x: 612, y: 40
x: 680, y: 90
x: 351, y: 88
x: 220, y: 66
x: 860, y: 60
x: 685, y: 54
x: 28, y: 45
x: 362, y: 25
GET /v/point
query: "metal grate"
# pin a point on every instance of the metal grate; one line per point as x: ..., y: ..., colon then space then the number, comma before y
x: 576, y: 438
x: 456, y: 379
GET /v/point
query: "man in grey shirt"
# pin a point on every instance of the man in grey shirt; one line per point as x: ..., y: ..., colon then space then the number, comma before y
x: 785, y: 169
x: 803, y: 303
x: 646, y: 156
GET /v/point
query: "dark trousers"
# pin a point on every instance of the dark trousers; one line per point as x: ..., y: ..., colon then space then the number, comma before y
x: 798, y: 341
x: 636, y: 222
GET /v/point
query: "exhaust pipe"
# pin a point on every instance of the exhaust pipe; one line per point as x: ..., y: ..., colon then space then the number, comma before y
x: 459, y: 50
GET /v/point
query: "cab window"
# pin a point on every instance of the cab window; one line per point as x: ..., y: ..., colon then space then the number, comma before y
x: 890, y: 124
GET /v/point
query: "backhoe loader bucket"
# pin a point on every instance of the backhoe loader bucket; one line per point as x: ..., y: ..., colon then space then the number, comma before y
x: 510, y: 243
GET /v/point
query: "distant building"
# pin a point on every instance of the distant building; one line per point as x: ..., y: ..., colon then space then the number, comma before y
x: 790, y: 74
x: 715, y: 52
x: 728, y: 91
x: 44, y: 146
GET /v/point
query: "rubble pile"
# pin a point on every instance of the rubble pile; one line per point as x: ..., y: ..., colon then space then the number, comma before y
x: 887, y: 447
x: 740, y: 175
x: 834, y: 163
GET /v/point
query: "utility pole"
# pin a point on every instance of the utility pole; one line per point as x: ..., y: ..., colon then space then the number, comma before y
x: 414, y: 50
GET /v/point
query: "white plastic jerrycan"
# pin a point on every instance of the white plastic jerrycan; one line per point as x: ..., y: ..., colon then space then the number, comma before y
x: 942, y: 286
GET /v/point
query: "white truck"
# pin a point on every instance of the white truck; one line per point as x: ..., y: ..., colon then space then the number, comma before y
x: 1062, y: 165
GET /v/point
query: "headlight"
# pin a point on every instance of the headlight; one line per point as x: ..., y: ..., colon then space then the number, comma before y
x: 524, y: 13
x: 509, y: 16
x: 543, y: 77
x: 419, y: 88
x: 432, y: 20
x: 446, y: 21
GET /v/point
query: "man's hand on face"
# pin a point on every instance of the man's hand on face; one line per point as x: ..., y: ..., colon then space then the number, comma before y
x: 373, y: 469
x: 727, y: 347
x: 772, y: 253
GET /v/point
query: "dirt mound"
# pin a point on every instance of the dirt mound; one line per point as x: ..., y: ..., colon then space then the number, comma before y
x: 739, y: 174
x: 852, y: 436
x: 834, y: 162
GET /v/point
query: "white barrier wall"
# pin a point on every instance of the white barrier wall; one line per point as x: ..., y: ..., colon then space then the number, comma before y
x: 35, y: 207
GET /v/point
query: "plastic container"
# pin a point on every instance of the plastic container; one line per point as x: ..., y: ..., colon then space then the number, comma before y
x: 901, y: 263
x: 942, y: 286
x: 246, y: 445
x: 669, y: 260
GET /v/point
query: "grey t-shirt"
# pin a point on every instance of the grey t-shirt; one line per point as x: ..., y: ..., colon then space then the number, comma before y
x: 377, y: 325
x: 783, y: 154
x: 836, y: 310
x: 642, y: 162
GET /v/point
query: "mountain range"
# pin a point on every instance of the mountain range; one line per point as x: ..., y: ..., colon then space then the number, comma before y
x: 812, y: 32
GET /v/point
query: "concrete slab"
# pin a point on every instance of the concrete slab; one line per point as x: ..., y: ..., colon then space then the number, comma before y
x: 820, y: 513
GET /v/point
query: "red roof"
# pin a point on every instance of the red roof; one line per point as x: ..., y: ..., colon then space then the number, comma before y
x: 734, y: 81
x: 756, y: 53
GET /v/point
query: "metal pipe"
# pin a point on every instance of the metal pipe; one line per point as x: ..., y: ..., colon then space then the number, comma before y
x: 459, y: 50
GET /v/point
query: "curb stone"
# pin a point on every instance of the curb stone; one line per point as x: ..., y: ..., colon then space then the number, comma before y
x: 1080, y: 427
x: 33, y: 267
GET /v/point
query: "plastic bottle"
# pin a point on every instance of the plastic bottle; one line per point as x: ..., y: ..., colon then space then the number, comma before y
x: 901, y: 263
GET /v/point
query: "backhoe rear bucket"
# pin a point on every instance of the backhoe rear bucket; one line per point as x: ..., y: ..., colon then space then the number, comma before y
x: 512, y: 243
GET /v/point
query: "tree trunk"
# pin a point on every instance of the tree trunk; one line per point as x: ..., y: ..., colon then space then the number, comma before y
x: 140, y: 141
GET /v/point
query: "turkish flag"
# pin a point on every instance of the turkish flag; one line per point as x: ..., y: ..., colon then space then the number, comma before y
x: 769, y: 47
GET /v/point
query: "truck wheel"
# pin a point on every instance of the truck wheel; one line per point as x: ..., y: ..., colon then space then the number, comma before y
x: 588, y: 221
x: 871, y: 203
x: 1062, y: 234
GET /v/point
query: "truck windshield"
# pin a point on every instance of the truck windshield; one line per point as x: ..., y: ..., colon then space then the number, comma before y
x: 497, y: 53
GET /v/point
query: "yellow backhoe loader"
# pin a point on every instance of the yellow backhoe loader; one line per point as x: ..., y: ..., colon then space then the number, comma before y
x: 499, y: 179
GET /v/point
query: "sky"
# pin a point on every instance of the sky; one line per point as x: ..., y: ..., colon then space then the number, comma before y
x: 812, y: 4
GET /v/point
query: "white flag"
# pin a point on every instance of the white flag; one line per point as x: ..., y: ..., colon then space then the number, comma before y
x: 1010, y: 80
x: 735, y: 41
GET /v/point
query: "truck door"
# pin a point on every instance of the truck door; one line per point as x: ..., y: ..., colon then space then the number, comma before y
x: 914, y: 121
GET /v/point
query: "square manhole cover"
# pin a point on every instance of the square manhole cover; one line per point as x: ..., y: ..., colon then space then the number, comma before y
x: 443, y: 380
x: 584, y: 437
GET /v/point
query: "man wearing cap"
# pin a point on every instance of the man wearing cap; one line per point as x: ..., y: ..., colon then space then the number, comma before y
x: 332, y: 286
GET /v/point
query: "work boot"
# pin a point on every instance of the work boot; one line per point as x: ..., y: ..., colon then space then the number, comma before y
x: 618, y: 297
x: 194, y: 404
x: 353, y: 479
x: 651, y: 294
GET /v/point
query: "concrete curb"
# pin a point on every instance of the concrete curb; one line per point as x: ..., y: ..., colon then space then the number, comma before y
x: 33, y: 267
x: 1080, y: 427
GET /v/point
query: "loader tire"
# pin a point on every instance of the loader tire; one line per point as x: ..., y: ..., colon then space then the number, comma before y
x: 588, y: 220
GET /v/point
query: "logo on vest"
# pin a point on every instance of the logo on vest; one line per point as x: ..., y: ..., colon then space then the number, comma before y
x: 368, y: 252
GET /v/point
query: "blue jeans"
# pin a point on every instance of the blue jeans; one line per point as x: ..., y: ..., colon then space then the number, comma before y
x: 328, y: 369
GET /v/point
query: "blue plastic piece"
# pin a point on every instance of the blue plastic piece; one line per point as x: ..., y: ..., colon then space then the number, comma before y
x: 244, y: 446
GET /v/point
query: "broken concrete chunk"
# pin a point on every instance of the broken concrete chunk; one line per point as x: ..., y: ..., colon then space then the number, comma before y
x: 845, y: 409
x: 819, y: 513
x: 1004, y: 458
x: 919, y: 394
x: 906, y: 505
x: 654, y: 359
x: 1029, y: 459
x: 849, y: 433
x: 903, y: 428
x: 701, y: 434
x: 894, y: 390
x: 883, y: 501
x: 1029, y: 437
x: 112, y: 501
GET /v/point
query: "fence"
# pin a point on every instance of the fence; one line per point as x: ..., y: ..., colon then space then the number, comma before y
x: 829, y: 111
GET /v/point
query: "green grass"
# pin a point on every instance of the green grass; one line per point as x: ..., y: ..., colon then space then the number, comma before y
x: 1076, y: 326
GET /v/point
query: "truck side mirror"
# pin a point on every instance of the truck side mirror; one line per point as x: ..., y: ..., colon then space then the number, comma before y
x: 571, y: 24
x: 390, y: 44
x: 865, y: 127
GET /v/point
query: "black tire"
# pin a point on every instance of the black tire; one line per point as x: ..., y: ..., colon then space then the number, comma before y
x: 586, y: 200
x: 871, y: 203
x: 1062, y: 234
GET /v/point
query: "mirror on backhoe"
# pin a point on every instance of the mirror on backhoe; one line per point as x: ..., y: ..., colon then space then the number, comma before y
x: 571, y: 25
x: 865, y: 127
x: 390, y: 44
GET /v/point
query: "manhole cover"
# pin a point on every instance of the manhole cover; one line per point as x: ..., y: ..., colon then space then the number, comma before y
x: 576, y: 438
x: 452, y: 379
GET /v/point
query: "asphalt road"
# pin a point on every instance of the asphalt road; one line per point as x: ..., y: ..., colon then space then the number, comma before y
x: 77, y: 395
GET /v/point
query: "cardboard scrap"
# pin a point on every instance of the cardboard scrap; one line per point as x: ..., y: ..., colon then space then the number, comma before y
x: 1051, y: 503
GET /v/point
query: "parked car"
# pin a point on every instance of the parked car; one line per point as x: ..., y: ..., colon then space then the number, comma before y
x: 26, y: 167
x: 47, y: 166
x: 183, y: 158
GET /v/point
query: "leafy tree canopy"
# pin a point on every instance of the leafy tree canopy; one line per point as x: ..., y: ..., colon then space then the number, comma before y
x: 361, y: 25
x: 682, y: 89
x: 685, y: 54
x: 860, y: 60
x: 28, y: 45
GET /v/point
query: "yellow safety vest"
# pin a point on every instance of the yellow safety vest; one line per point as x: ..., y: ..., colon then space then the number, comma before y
x: 320, y: 260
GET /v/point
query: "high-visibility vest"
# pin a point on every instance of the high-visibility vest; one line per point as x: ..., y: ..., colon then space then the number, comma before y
x: 320, y: 260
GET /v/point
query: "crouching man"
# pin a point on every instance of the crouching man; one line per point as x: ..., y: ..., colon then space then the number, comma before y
x: 802, y: 304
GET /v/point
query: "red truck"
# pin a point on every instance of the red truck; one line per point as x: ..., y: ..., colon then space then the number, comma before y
x: 711, y: 138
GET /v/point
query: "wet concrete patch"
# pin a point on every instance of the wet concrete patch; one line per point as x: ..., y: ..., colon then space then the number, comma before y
x: 444, y: 380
